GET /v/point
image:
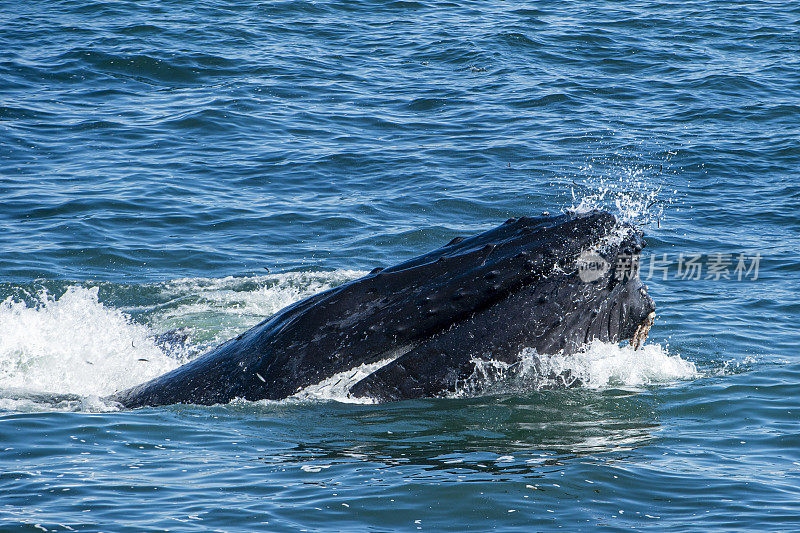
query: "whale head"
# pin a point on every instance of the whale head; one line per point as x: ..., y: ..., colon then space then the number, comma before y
x: 550, y: 284
x: 578, y: 272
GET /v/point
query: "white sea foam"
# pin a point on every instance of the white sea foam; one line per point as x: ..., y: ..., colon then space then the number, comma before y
x: 602, y: 365
x: 74, y: 344
x: 599, y: 365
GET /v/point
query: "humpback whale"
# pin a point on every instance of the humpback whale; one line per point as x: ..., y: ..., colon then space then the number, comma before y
x: 522, y: 285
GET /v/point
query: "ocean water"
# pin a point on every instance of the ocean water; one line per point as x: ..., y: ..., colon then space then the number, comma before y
x: 201, y: 165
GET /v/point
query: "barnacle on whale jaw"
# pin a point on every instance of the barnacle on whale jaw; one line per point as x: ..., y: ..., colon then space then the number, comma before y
x: 641, y: 332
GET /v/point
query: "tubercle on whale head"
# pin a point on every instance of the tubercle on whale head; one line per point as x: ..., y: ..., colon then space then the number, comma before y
x: 510, y: 252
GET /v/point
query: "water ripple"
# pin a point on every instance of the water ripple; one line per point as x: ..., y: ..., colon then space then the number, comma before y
x: 144, y: 142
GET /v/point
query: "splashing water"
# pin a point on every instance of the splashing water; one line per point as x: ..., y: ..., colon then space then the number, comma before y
x: 633, y: 192
x: 603, y: 365
x: 74, y: 344
x: 599, y: 365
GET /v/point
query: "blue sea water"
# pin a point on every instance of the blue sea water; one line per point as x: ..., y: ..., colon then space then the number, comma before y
x: 200, y: 165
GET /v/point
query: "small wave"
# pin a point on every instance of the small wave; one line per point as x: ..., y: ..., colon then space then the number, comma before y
x: 219, y: 308
x: 32, y: 403
x: 261, y: 295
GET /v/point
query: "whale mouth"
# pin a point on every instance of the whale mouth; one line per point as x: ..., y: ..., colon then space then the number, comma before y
x: 640, y: 335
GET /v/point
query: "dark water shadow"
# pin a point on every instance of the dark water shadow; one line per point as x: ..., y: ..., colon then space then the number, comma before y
x: 496, y: 435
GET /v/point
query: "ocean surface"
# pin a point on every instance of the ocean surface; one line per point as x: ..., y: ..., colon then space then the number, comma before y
x: 200, y: 165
